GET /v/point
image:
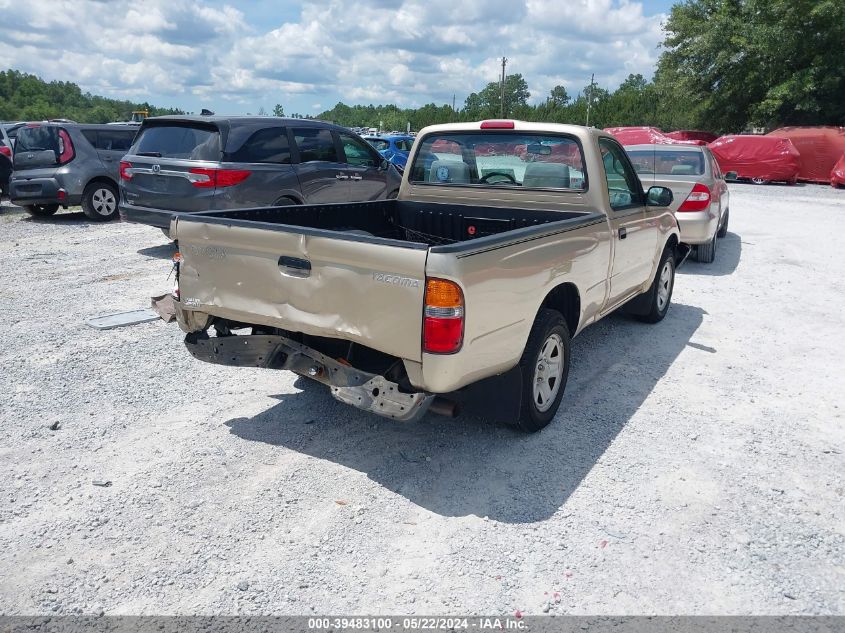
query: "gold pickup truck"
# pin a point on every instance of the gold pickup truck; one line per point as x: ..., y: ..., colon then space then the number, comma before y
x: 506, y: 240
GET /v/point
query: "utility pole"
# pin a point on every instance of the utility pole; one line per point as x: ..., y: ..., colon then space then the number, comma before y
x: 590, y: 97
x: 502, y: 102
x: 452, y: 115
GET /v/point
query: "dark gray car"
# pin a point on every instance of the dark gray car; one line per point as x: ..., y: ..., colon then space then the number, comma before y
x: 63, y: 164
x: 191, y: 164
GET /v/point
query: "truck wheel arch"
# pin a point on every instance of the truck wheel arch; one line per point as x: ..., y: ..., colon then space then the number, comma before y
x: 566, y: 299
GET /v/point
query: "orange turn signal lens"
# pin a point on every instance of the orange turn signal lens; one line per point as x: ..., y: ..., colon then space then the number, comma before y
x: 440, y: 293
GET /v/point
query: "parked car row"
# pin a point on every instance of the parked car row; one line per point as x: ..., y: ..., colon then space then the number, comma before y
x: 193, y: 163
x: 394, y: 147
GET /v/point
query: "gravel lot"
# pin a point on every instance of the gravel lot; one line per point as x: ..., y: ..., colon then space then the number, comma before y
x: 696, y: 466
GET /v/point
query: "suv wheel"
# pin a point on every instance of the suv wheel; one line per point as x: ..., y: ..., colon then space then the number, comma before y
x: 99, y: 201
x: 41, y: 210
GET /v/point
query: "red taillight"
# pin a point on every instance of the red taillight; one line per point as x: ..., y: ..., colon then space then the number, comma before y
x: 443, y: 322
x: 497, y: 125
x: 66, y: 153
x: 5, y: 151
x: 209, y: 178
x: 697, y: 200
x: 125, y: 166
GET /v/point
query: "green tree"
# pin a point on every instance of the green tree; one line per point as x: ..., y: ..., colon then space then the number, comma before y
x: 558, y: 97
x: 487, y: 103
x: 27, y: 98
x: 278, y: 110
x: 758, y: 62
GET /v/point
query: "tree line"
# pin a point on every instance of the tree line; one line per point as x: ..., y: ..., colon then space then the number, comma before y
x: 25, y: 97
x: 725, y: 66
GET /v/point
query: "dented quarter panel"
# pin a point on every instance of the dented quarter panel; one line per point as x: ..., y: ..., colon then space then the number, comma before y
x: 358, y: 291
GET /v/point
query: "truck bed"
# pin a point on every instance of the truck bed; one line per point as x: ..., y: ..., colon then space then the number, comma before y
x: 441, y: 227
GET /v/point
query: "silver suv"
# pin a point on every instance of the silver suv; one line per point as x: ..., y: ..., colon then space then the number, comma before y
x: 188, y: 164
x: 61, y: 165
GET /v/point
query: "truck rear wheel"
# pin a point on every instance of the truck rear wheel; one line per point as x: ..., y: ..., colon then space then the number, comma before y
x: 545, y: 369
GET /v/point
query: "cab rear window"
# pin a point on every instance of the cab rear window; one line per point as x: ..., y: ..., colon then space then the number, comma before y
x: 178, y: 141
x: 526, y: 159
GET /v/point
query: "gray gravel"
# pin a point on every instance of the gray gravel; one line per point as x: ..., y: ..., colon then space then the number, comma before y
x: 696, y: 466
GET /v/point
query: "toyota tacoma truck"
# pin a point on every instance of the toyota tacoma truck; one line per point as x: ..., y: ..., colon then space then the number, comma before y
x: 506, y: 240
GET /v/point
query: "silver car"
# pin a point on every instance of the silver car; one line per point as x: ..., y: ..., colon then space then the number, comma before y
x: 701, y: 199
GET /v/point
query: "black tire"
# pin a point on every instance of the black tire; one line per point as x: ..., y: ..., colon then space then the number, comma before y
x: 659, y: 301
x: 41, y: 210
x: 393, y: 195
x: 551, y: 335
x: 285, y: 202
x: 723, y: 229
x: 706, y: 253
x: 99, y: 201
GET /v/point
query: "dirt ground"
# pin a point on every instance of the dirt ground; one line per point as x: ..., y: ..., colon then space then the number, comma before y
x: 695, y: 467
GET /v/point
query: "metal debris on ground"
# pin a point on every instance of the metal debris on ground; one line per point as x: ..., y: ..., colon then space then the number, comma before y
x: 121, y: 319
x: 164, y: 306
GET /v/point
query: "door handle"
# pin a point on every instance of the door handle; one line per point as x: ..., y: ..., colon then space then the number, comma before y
x: 623, y: 232
x: 294, y: 266
x: 356, y: 178
x: 341, y: 176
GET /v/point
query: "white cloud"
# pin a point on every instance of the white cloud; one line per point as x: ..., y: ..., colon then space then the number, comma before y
x: 186, y: 52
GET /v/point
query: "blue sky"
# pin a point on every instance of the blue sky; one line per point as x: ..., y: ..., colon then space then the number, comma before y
x: 238, y: 57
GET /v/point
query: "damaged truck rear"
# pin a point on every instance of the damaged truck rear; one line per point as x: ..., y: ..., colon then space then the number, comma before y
x: 506, y: 240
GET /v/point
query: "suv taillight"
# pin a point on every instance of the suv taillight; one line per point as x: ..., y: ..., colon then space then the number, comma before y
x: 66, y: 152
x: 5, y: 151
x: 125, y: 166
x: 697, y: 200
x: 210, y: 178
x: 443, y: 320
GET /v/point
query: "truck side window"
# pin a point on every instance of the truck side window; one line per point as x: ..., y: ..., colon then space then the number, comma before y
x: 622, y: 182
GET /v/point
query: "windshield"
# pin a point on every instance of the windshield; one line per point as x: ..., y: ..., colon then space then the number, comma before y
x: 667, y: 162
x: 522, y: 159
x: 178, y: 141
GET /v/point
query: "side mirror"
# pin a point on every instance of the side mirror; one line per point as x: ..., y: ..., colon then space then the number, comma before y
x: 659, y: 197
x: 731, y: 175
x: 385, y: 164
